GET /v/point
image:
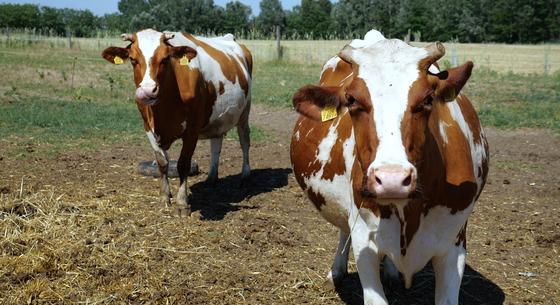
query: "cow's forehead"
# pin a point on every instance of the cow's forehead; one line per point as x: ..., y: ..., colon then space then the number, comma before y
x: 389, y: 52
x: 148, y: 42
x: 389, y: 68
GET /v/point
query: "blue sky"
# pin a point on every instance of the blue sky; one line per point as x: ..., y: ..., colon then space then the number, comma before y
x: 101, y: 7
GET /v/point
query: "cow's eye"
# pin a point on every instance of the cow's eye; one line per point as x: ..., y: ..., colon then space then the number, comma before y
x: 425, y: 105
x: 350, y: 101
x: 428, y: 101
x: 133, y: 62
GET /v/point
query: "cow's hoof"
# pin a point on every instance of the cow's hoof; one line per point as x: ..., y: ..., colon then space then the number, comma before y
x: 183, y: 210
x: 333, y: 280
x: 165, y: 200
x: 211, y: 180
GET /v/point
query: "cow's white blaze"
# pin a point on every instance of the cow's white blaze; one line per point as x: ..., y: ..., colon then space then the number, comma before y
x: 148, y: 42
x: 389, y: 68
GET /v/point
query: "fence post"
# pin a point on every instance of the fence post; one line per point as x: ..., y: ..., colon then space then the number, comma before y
x: 69, y: 35
x: 546, y: 59
x: 278, y: 46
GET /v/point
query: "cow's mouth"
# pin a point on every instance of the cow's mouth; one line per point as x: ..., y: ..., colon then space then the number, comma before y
x: 415, y: 194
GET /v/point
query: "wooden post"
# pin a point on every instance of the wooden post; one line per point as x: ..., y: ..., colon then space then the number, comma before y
x: 69, y: 35
x: 278, y: 46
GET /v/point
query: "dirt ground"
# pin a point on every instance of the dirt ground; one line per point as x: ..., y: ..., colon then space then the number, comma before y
x: 83, y: 227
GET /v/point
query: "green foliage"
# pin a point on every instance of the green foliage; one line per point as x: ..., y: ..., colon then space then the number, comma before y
x: 271, y: 15
x: 510, y: 21
x: 236, y: 17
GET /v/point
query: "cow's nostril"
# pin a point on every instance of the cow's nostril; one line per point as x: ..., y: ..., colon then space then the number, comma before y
x: 407, y: 180
x: 378, y: 180
x: 155, y: 90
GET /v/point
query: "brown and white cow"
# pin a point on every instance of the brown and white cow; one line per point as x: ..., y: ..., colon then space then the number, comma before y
x: 189, y: 87
x: 398, y: 168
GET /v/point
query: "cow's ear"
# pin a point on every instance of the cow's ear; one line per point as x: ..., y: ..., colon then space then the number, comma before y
x: 115, y: 55
x: 180, y: 52
x: 452, y: 81
x: 313, y: 101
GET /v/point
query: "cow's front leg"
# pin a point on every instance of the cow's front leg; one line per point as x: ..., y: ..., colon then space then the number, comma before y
x: 339, y: 267
x: 163, y: 164
x: 215, y: 151
x: 183, y: 166
x: 368, y: 264
x: 448, y: 270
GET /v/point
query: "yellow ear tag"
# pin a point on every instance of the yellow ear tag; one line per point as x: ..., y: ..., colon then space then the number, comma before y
x: 118, y: 60
x: 328, y: 113
x: 184, y: 61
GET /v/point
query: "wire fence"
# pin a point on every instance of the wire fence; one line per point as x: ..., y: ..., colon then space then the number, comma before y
x: 539, y: 59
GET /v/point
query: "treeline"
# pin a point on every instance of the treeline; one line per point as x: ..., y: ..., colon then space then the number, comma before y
x: 510, y: 21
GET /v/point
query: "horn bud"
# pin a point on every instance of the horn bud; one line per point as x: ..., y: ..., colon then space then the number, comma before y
x: 127, y: 37
x: 168, y: 35
x: 346, y: 54
x: 435, y: 51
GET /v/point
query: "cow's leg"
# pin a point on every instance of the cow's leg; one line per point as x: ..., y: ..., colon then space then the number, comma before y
x: 448, y: 270
x: 390, y: 272
x: 163, y: 164
x: 215, y: 151
x: 368, y: 264
x: 339, y: 267
x: 183, y: 166
x: 243, y: 131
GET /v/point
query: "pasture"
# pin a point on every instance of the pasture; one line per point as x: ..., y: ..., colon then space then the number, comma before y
x: 79, y: 225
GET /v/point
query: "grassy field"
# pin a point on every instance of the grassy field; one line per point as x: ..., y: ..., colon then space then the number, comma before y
x: 62, y: 98
x: 542, y: 58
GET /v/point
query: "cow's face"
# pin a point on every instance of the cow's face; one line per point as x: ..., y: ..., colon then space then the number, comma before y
x: 389, y: 100
x: 148, y: 53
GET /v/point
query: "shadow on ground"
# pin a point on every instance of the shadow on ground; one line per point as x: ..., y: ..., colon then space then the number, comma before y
x: 475, y: 290
x: 214, y: 201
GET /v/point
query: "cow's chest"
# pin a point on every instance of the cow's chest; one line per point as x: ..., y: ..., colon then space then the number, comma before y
x: 412, y: 243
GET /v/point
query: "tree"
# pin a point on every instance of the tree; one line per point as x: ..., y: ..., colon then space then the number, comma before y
x: 315, y: 18
x: 271, y: 15
x: 236, y: 17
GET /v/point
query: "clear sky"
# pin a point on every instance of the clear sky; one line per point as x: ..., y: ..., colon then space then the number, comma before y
x: 101, y: 7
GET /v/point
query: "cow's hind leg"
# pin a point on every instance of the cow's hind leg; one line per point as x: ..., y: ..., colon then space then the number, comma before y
x: 448, y: 271
x: 244, y: 133
x: 183, y: 166
x: 215, y: 151
x: 339, y: 267
x: 163, y: 164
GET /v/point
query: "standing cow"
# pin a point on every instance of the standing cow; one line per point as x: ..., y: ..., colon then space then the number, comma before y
x: 189, y: 87
x: 392, y: 154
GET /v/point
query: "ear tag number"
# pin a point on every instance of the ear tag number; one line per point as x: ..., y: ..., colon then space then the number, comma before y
x: 118, y: 60
x: 328, y: 113
x: 184, y: 61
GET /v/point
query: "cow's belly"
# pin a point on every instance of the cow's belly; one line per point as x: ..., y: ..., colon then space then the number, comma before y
x: 225, y: 114
x: 437, y: 233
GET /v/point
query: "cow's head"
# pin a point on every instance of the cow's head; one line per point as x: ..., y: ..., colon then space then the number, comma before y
x: 390, y: 100
x: 149, y: 54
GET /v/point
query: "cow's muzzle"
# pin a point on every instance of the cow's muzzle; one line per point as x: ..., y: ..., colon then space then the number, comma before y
x: 391, y: 182
x: 147, y: 95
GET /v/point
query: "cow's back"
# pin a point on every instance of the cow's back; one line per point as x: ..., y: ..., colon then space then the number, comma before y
x: 226, y: 69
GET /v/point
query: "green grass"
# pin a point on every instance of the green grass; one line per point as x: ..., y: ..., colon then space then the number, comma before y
x: 274, y: 83
x: 257, y: 134
x: 61, y: 99
x: 513, y: 100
